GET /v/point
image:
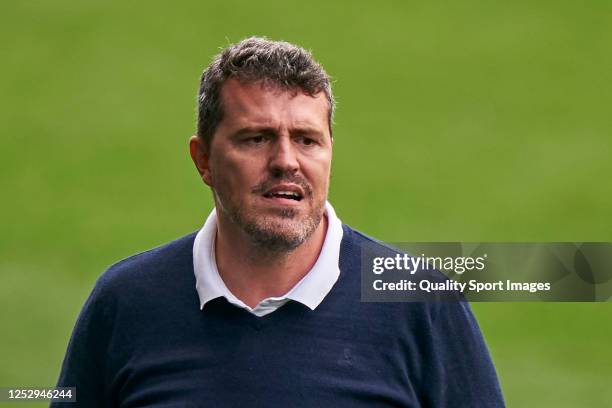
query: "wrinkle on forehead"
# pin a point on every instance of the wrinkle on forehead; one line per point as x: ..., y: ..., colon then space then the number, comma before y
x: 258, y: 104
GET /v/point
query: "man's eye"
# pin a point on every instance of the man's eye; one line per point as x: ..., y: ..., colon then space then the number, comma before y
x: 256, y: 140
x: 306, y: 141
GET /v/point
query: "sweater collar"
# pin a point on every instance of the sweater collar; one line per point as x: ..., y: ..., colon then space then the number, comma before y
x: 310, y: 290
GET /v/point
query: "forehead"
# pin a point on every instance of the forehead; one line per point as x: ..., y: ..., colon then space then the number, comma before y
x: 248, y: 103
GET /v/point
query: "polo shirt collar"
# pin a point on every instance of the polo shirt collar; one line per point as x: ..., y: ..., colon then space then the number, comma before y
x: 310, y: 290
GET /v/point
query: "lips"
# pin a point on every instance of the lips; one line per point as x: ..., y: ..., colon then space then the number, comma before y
x: 285, y: 191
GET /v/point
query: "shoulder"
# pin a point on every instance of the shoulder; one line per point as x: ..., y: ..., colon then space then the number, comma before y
x: 360, y: 250
x: 435, y: 315
x: 354, y: 242
x: 359, y: 253
x: 158, y: 266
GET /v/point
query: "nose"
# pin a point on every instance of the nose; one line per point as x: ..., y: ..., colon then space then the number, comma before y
x: 283, y: 157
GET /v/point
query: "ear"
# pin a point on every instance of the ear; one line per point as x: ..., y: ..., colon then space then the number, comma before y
x: 201, y: 158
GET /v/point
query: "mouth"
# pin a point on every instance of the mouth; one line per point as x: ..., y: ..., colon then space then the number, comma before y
x: 289, y: 194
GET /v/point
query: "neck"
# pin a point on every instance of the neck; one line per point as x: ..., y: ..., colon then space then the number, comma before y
x: 253, y: 274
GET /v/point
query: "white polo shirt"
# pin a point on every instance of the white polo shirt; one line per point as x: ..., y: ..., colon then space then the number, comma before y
x: 310, y: 290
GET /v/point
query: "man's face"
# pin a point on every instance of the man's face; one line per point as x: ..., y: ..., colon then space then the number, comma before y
x: 269, y: 163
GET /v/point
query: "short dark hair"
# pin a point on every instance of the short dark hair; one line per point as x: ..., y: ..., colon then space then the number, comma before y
x: 256, y: 59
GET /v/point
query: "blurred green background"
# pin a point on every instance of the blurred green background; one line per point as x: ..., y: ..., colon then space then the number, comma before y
x: 469, y: 120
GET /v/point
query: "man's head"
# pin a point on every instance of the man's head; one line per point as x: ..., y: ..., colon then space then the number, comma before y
x: 254, y: 59
x: 264, y: 141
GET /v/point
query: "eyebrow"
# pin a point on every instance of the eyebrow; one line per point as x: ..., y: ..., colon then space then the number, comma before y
x: 250, y: 130
x: 305, y: 130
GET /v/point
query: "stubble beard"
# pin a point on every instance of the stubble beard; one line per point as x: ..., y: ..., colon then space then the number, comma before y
x: 274, y: 234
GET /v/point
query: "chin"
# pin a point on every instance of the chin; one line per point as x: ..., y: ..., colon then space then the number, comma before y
x: 277, y: 235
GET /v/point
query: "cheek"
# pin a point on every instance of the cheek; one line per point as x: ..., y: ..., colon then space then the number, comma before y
x: 232, y: 175
x: 320, y: 175
x: 221, y: 175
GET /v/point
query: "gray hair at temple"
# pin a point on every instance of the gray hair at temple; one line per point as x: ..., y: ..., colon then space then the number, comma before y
x: 275, y: 63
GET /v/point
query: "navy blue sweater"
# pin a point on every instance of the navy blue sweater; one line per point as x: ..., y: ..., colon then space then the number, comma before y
x: 142, y: 340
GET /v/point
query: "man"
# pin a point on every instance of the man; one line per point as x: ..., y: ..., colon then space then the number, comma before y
x: 261, y: 307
